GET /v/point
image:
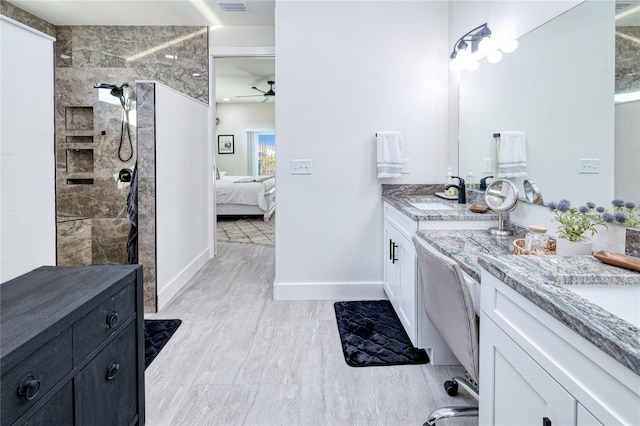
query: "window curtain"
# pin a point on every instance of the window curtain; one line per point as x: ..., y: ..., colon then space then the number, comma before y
x: 252, y: 152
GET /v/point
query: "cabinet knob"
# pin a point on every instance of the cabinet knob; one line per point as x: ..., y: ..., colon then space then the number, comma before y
x: 29, y: 387
x: 113, y: 370
x: 112, y: 319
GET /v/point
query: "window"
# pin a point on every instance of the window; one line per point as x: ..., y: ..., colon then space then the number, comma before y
x: 262, y: 152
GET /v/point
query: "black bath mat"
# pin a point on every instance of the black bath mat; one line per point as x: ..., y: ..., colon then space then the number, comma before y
x: 156, y: 334
x: 372, y: 334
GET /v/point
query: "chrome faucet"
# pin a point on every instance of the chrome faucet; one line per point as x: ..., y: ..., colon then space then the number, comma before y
x: 462, y: 194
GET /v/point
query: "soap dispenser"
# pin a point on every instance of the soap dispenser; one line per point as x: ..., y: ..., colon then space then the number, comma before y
x: 470, y: 180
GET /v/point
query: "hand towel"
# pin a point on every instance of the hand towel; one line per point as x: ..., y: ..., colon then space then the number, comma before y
x: 389, y: 154
x: 512, y: 155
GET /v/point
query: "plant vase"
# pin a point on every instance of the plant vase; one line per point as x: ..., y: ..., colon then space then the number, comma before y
x: 572, y: 248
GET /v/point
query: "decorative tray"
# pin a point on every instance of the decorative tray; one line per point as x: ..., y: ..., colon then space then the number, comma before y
x: 617, y: 259
x: 445, y: 196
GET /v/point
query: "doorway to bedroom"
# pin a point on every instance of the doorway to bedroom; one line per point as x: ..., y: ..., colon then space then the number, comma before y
x: 245, y: 149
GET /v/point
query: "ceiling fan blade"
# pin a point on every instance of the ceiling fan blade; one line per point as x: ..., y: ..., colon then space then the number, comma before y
x: 247, y: 96
x: 255, y: 88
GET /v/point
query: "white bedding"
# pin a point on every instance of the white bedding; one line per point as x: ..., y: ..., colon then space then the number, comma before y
x: 228, y: 191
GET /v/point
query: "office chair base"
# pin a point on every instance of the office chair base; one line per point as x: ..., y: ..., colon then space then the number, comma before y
x: 448, y: 412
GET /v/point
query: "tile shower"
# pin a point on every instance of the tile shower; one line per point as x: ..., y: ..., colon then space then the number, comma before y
x: 91, y: 200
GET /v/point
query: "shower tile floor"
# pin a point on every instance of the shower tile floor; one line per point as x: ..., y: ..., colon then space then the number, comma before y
x: 242, y: 358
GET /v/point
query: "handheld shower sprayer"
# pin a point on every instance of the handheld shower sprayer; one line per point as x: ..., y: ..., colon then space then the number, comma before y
x: 119, y: 93
x: 116, y: 91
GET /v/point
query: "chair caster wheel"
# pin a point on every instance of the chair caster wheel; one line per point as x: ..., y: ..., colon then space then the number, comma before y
x: 451, y: 387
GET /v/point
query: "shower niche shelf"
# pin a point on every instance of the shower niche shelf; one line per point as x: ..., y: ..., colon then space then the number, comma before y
x: 77, y: 181
x: 79, y: 118
x: 79, y: 139
x: 79, y: 160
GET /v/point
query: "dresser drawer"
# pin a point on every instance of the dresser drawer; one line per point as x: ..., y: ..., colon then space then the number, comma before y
x: 29, y: 381
x: 107, y: 387
x: 102, y: 322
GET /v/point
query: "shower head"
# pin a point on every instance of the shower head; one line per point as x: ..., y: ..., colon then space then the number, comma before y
x: 115, y: 90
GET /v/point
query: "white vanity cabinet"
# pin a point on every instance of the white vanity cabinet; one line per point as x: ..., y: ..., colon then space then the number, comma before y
x: 400, y: 269
x: 536, y: 371
x: 401, y: 277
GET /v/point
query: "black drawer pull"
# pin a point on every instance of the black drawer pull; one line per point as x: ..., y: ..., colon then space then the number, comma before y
x: 546, y: 421
x: 113, y: 370
x: 112, y: 319
x: 29, y: 387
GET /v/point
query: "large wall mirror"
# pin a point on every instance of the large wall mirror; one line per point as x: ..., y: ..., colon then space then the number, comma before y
x: 558, y: 88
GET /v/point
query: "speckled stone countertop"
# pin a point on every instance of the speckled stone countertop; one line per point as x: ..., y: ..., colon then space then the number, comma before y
x: 399, y: 196
x: 545, y: 281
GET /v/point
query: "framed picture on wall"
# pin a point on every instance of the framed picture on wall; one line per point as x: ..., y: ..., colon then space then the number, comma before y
x: 225, y: 144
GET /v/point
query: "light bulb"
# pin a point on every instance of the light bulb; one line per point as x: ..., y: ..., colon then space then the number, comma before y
x: 455, y: 65
x: 463, y: 56
x: 494, y: 56
x: 510, y: 46
x: 485, y: 45
x: 472, y: 65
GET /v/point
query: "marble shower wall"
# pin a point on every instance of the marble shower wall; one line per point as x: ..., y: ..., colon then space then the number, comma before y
x: 88, y: 130
x: 627, y: 59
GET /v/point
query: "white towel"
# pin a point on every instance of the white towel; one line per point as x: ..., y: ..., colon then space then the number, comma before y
x: 389, y: 154
x: 512, y: 155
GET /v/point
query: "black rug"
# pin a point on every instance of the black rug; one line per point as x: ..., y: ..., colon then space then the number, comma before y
x: 156, y: 334
x: 372, y: 334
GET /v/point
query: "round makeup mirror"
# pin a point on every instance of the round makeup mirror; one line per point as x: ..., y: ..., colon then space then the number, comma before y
x: 501, y: 197
x: 532, y: 192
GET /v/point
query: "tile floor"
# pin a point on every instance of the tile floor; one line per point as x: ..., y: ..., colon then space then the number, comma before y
x: 241, y: 358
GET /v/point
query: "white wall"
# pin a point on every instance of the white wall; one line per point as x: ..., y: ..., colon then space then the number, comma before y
x: 183, y: 183
x: 376, y: 66
x: 27, y: 191
x: 236, y: 119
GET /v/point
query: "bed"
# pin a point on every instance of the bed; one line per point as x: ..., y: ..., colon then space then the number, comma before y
x: 246, y: 195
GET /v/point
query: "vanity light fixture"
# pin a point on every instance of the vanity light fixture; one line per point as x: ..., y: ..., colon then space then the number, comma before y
x: 475, y: 45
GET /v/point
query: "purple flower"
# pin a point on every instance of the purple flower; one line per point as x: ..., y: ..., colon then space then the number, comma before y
x: 563, y: 205
x: 630, y: 205
x: 583, y: 209
x: 591, y: 205
x: 552, y: 205
x: 608, y: 217
x: 618, y: 203
x: 600, y: 209
x: 620, y: 217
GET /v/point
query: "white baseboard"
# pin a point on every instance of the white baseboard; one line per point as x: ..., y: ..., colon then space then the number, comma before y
x: 328, y: 291
x: 175, y: 285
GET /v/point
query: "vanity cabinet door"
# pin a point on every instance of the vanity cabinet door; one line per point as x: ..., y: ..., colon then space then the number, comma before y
x: 400, y: 278
x: 391, y: 266
x: 515, y: 389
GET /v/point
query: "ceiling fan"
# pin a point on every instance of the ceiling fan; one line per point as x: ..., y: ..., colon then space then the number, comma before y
x: 267, y: 95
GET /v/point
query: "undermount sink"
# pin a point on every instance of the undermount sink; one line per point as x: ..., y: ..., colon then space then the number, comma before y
x: 622, y: 301
x: 432, y: 205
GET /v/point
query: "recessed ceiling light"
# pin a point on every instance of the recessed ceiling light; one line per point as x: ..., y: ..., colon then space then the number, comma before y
x: 226, y: 99
x: 235, y: 6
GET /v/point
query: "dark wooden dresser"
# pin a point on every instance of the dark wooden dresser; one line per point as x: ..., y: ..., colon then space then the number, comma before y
x: 72, y: 346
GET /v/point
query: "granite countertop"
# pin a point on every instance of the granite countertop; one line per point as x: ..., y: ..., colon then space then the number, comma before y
x: 457, y: 212
x: 546, y: 282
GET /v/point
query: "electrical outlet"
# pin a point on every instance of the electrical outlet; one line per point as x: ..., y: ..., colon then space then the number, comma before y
x: 406, y: 166
x: 488, y: 165
x: 300, y: 167
x: 588, y: 165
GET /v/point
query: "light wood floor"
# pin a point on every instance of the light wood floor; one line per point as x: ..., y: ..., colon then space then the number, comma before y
x: 241, y: 358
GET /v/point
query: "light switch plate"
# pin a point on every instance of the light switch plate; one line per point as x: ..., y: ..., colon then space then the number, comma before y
x: 589, y: 165
x: 300, y: 167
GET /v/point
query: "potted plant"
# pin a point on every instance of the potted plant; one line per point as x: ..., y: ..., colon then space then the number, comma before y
x: 574, y: 224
